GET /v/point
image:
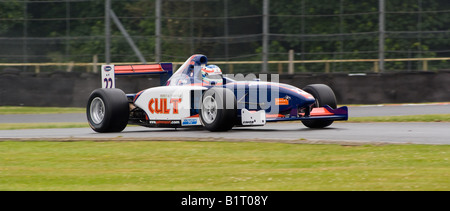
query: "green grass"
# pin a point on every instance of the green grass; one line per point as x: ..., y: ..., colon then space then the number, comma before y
x: 39, y: 110
x: 217, y: 166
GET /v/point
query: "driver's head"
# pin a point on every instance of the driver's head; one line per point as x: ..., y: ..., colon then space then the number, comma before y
x: 212, y: 74
x: 211, y: 70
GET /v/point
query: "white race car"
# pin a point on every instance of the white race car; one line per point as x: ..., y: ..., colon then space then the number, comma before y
x: 197, y: 94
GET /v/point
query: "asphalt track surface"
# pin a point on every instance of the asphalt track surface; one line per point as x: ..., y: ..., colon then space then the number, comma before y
x: 339, y: 132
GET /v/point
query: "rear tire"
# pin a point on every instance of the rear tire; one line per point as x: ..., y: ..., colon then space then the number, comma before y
x: 218, y: 109
x: 107, y: 110
x: 324, y: 95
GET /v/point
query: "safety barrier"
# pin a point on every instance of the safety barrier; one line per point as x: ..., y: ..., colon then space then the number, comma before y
x: 94, y: 66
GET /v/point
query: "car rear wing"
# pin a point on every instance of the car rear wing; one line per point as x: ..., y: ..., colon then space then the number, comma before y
x: 109, y: 72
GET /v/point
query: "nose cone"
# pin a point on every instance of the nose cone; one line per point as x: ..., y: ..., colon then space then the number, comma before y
x: 310, y: 100
x: 305, y: 99
x: 300, y: 97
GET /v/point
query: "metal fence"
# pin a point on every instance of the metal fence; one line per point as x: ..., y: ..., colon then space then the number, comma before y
x: 246, y: 34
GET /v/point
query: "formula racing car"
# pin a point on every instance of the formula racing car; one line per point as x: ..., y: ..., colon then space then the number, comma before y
x: 198, y: 94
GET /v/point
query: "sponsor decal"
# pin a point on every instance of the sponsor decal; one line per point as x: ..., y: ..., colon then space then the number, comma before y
x: 159, y: 105
x: 176, y: 122
x: 164, y: 122
x: 175, y: 102
x: 190, y: 121
x: 249, y: 122
x: 108, y: 68
x: 281, y: 101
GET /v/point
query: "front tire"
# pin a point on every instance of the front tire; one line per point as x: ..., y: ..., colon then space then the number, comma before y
x: 107, y: 110
x: 218, y: 109
x: 324, y: 95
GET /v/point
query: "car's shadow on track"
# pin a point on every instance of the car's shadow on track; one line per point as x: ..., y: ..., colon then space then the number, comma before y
x: 234, y: 130
x: 162, y: 130
x: 279, y: 130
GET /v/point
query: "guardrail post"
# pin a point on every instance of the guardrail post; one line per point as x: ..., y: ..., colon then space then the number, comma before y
x: 94, y: 63
x: 425, y: 65
x: 70, y: 66
x: 158, y: 31
x: 107, y: 32
x: 280, y: 69
x: 291, y: 62
x: 327, y: 67
x: 382, y: 34
x: 265, y: 36
x: 375, y: 67
x: 37, y: 69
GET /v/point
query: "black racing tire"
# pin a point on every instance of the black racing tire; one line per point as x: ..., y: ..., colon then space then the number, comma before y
x: 324, y: 95
x: 218, y: 109
x: 107, y: 110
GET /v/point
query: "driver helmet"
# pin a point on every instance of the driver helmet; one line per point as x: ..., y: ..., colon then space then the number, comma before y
x: 212, y: 74
x: 211, y: 70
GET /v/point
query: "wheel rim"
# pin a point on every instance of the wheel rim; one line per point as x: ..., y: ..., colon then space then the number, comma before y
x: 97, y: 110
x: 209, y: 109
